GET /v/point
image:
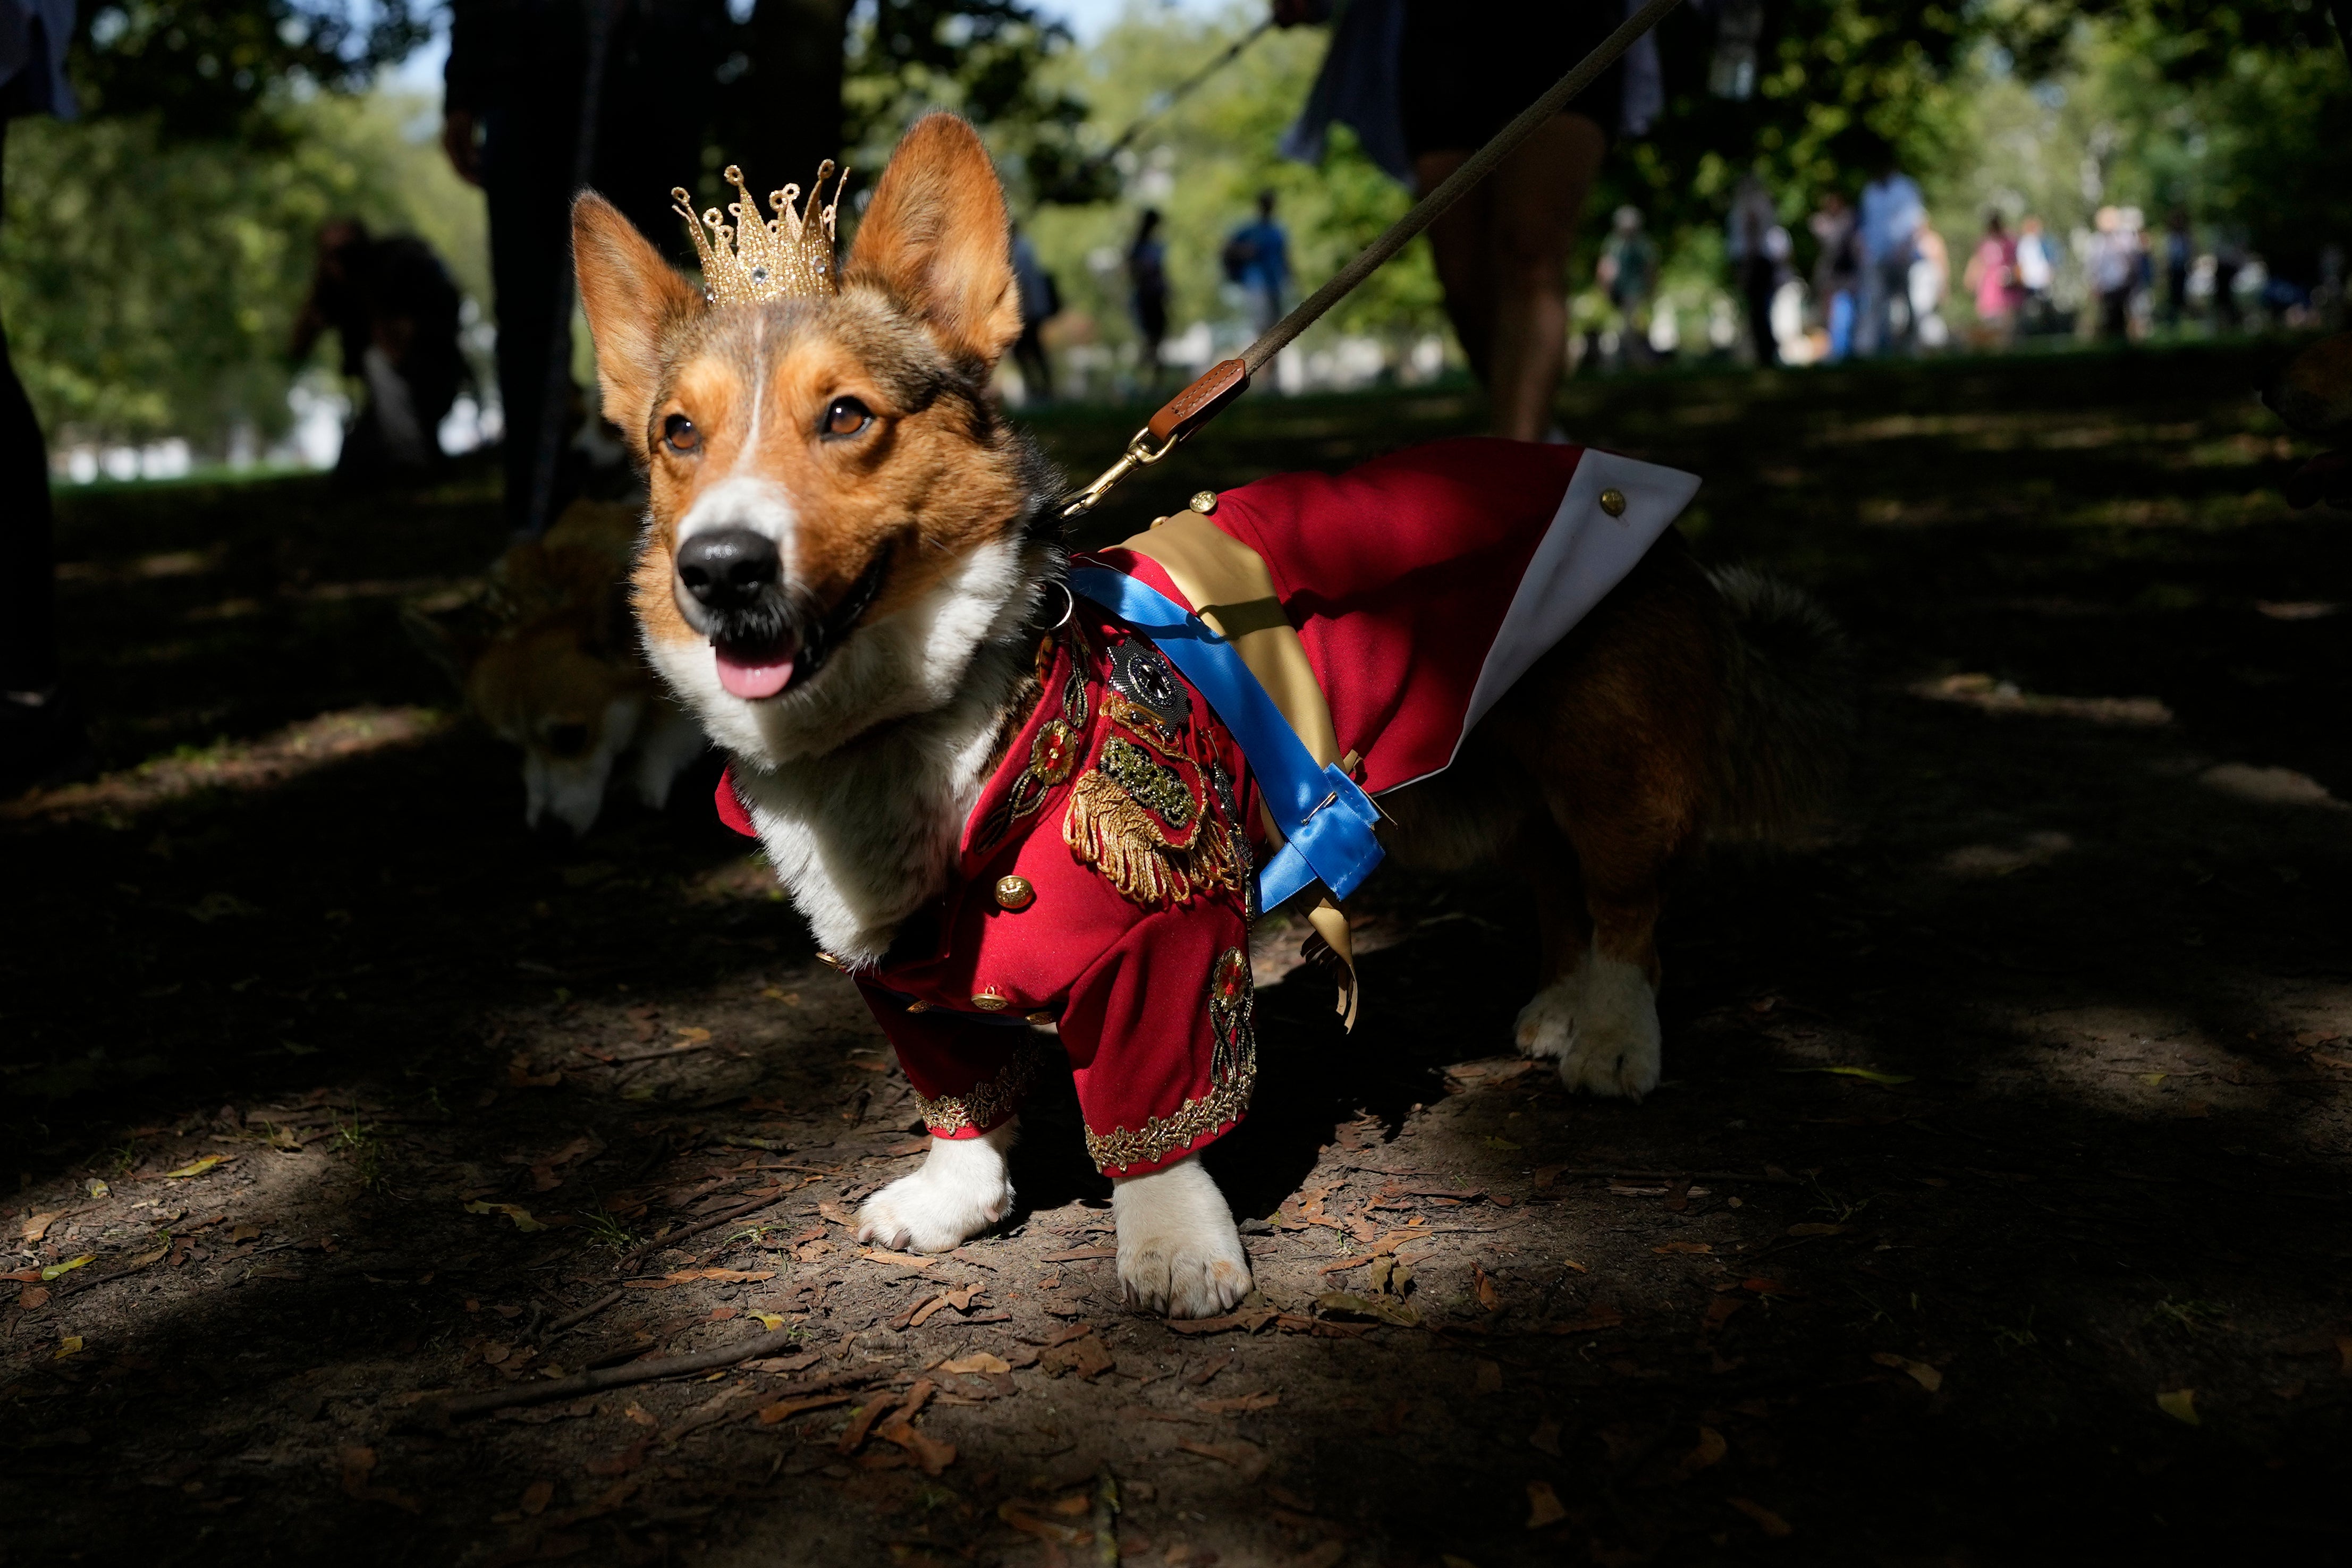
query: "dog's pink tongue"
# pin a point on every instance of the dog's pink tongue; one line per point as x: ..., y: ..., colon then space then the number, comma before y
x: 753, y: 679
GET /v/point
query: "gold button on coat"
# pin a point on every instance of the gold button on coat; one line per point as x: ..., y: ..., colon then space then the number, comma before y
x: 1014, y: 893
x: 992, y: 1000
x: 1204, y: 502
x: 1612, y: 501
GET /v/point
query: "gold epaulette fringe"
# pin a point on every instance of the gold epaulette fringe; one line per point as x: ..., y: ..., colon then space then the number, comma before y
x: 1108, y: 830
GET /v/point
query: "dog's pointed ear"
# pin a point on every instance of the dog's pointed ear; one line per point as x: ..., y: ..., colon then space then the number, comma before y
x: 634, y: 299
x: 936, y: 236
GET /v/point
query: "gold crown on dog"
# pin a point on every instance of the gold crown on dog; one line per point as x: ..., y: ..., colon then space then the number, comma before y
x: 789, y: 257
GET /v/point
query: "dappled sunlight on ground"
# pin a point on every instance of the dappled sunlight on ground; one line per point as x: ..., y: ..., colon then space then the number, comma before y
x: 2006, y: 1125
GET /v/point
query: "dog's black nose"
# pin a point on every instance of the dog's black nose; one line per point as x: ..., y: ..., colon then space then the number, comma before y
x: 728, y: 569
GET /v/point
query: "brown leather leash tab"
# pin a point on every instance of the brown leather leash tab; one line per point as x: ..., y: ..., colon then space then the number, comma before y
x: 1198, y: 404
x: 1184, y: 413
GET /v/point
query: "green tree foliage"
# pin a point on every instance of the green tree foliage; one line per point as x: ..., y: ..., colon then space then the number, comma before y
x: 2242, y: 113
x: 149, y: 282
x: 1202, y: 163
x: 986, y: 60
x: 2253, y: 139
x: 214, y: 68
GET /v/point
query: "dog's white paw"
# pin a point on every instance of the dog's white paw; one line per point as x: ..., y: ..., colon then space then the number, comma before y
x: 1178, y: 1251
x: 965, y: 1187
x: 1616, y: 1048
x: 1547, y: 1026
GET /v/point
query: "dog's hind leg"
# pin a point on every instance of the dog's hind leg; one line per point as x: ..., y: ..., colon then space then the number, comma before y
x: 1179, y: 1252
x: 1546, y: 1025
x: 965, y: 1187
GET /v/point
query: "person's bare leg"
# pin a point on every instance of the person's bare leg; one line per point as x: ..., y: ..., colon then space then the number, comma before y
x: 1460, y: 242
x: 1537, y: 194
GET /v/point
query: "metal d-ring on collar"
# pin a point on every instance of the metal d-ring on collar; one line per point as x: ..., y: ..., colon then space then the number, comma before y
x: 1070, y: 606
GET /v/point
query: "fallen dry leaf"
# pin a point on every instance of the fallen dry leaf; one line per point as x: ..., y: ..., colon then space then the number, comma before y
x: 1710, y: 1450
x: 32, y: 1297
x: 2180, y: 1404
x: 785, y: 1409
x: 1022, y: 1516
x: 37, y: 1225
x: 1086, y: 1355
x: 1250, y: 1319
x: 514, y: 1211
x: 1869, y: 1074
x: 536, y: 1497
x: 929, y: 1452
x: 980, y: 1363
x: 1488, y: 1296
x: 196, y: 1167
x: 1770, y: 1523
x: 1593, y: 1322
x: 1925, y: 1376
x: 68, y: 1346
x: 1246, y: 1457
x: 1385, y: 1309
x: 1691, y: 1248
x: 1543, y: 1505
x: 1241, y: 1403
x: 904, y: 1260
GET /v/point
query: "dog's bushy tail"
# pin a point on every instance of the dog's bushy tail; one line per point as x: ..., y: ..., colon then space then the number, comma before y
x: 1787, y: 676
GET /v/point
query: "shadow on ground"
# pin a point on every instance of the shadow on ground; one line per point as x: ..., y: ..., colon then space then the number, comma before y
x: 2058, y: 1269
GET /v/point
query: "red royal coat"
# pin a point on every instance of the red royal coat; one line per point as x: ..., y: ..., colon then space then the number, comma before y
x: 1100, y: 886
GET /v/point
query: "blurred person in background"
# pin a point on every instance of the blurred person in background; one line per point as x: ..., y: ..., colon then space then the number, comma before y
x: 1257, y: 257
x: 1628, y: 274
x: 1759, y: 250
x: 41, y: 739
x: 1991, y: 279
x: 1885, y: 232
x: 394, y: 308
x: 2179, y: 256
x: 2229, y: 261
x: 1041, y: 301
x: 1426, y: 84
x: 2112, y: 268
x: 1147, y: 280
x: 2037, y: 273
x: 1928, y: 285
x: 1835, y: 271
x: 516, y: 87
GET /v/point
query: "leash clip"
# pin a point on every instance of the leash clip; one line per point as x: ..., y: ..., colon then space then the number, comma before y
x: 1140, y: 453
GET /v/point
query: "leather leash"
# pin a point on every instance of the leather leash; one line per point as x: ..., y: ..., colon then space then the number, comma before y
x: 1182, y: 416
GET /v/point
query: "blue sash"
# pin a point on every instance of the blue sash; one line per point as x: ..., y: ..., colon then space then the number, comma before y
x: 1326, y: 818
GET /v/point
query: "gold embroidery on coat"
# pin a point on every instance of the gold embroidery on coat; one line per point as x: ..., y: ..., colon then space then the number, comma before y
x: 1052, y: 755
x: 987, y: 1103
x: 1220, y: 1107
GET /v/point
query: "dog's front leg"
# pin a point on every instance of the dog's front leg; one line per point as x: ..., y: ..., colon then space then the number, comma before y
x: 1178, y: 1251
x: 965, y: 1187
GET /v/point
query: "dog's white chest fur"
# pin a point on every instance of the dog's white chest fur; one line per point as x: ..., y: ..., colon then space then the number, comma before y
x: 860, y: 785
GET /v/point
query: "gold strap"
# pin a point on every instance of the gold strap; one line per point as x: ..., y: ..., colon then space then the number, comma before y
x: 1230, y: 590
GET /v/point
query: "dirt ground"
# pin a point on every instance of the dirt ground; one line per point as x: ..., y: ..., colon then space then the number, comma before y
x: 1994, y: 1210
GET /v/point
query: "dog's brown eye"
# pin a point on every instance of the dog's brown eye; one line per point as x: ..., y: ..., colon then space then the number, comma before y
x: 847, y: 416
x: 680, y: 433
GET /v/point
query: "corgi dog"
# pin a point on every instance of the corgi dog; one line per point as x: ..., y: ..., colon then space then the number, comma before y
x: 999, y: 808
x: 544, y: 654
